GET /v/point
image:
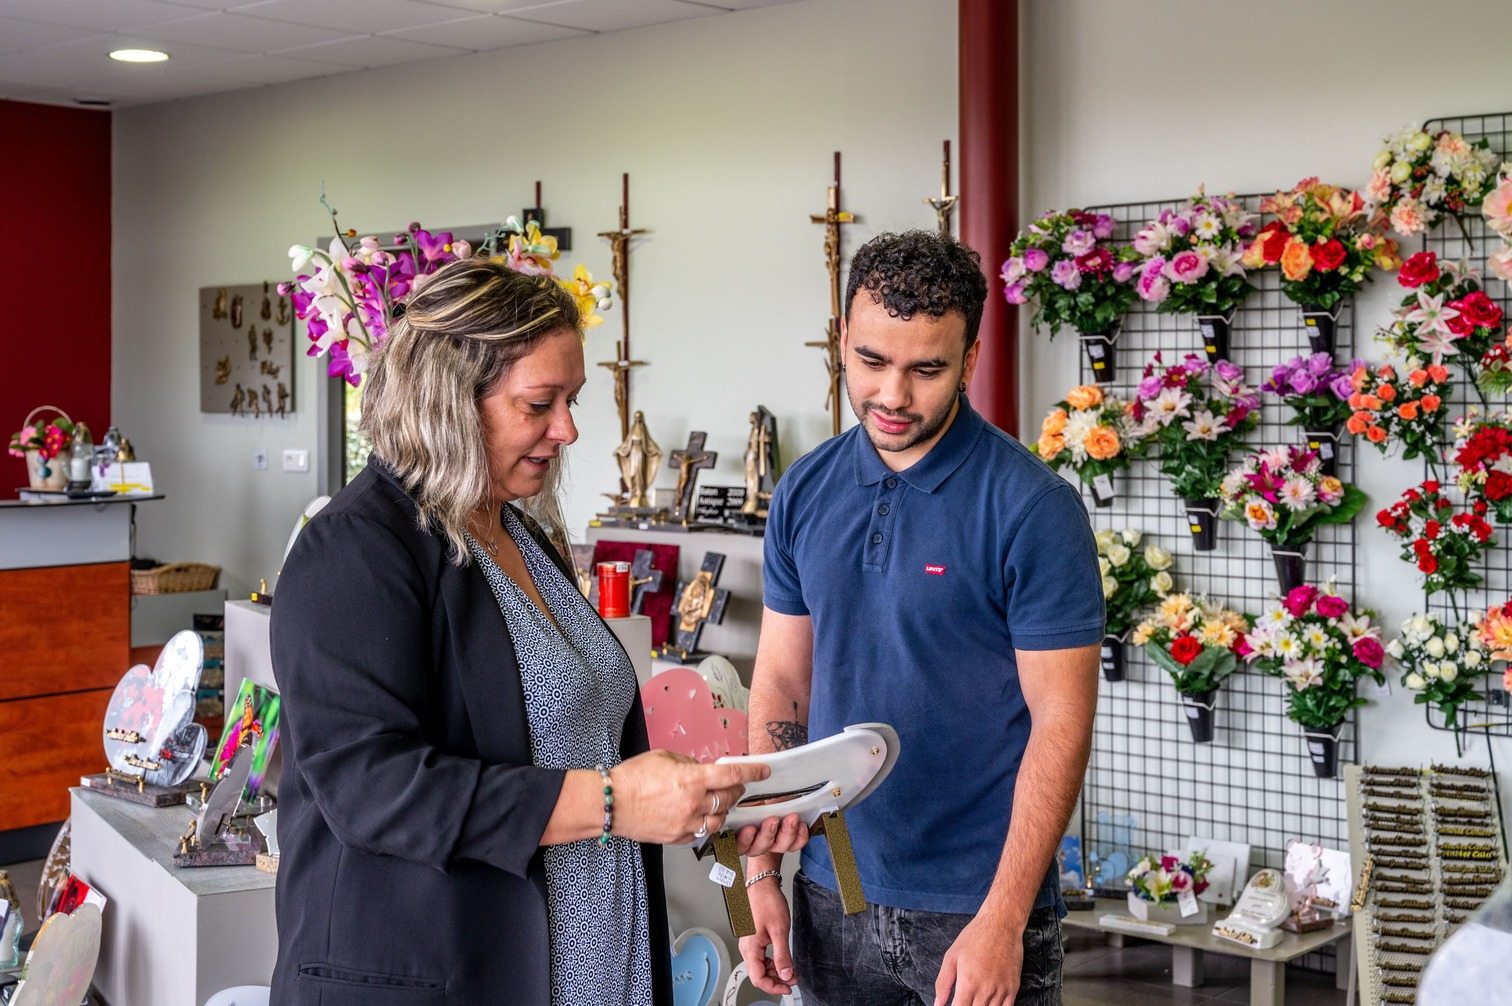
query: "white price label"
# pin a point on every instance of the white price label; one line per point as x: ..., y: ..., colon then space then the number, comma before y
x: 1103, y: 485
x: 1187, y: 902
x: 1095, y: 350
x: 1383, y: 690
x: 722, y: 875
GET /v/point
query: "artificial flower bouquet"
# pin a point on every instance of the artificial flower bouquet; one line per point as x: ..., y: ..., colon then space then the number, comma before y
x: 347, y: 293
x: 1447, y: 315
x: 1283, y: 495
x: 1483, y: 452
x: 1390, y: 409
x: 1318, y: 390
x: 1093, y: 434
x: 1443, y: 544
x: 1320, y: 648
x: 1495, y: 634
x: 1441, y: 664
x: 1196, y: 413
x: 1067, y: 264
x: 1198, y: 644
x: 1497, y: 211
x: 1418, y: 176
x: 39, y: 441
x: 1132, y: 580
x: 1190, y: 264
x: 1326, y: 246
x: 1158, y: 886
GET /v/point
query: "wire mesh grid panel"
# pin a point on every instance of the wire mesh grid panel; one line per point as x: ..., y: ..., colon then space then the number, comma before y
x: 1472, y: 241
x: 1149, y: 786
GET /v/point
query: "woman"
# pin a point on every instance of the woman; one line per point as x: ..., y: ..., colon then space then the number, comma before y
x: 466, y: 783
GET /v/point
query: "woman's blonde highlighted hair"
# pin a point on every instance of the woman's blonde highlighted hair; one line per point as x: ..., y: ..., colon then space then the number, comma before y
x: 462, y: 329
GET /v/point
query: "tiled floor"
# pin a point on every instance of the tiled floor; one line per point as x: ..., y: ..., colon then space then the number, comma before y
x: 1140, y: 975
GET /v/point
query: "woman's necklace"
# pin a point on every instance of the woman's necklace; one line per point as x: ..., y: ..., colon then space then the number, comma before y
x: 491, y: 542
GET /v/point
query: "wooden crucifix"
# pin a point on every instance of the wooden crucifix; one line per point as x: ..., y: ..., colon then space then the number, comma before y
x: 537, y: 213
x: 699, y: 601
x: 643, y: 580
x: 688, y: 460
x: 944, y: 204
x: 832, y: 220
x: 623, y: 363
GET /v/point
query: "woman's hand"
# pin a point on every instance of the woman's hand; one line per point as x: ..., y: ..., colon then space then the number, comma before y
x: 667, y: 798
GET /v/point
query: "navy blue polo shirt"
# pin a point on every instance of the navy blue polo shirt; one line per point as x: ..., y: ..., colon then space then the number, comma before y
x: 920, y: 585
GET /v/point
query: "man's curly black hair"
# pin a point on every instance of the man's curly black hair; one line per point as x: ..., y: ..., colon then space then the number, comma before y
x: 920, y: 271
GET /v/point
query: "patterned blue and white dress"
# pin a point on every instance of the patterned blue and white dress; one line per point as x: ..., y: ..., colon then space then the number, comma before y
x: 578, y: 686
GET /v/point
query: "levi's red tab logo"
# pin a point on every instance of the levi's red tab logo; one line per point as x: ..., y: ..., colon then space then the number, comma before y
x: 934, y: 569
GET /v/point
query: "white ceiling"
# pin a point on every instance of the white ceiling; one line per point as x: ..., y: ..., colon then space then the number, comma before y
x: 56, y: 51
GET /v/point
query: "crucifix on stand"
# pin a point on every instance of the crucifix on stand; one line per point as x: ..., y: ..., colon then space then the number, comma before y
x: 832, y: 220
x: 688, y: 460
x: 699, y: 601
x: 944, y: 204
x: 643, y: 580
x: 621, y: 365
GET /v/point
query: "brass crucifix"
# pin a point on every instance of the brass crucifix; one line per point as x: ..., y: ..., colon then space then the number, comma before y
x: 832, y: 220
x: 944, y: 204
x: 621, y: 365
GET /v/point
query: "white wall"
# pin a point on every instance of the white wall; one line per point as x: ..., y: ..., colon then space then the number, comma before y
x: 1145, y: 99
x: 727, y: 125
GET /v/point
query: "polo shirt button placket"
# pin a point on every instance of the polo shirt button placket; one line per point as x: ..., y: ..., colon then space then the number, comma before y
x: 876, y: 537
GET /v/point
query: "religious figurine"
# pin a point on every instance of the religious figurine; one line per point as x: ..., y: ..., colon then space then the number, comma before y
x: 218, y: 310
x: 267, y: 302
x: 283, y: 311
x: 251, y: 341
x: 268, y: 339
x: 223, y: 370
x: 283, y: 400
x: 237, y: 400
x: 688, y: 460
x: 236, y: 311
x: 760, y: 462
x: 639, y: 456
x: 267, y: 397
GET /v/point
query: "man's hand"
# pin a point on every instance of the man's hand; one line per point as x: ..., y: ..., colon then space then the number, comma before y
x: 982, y: 965
x: 769, y: 908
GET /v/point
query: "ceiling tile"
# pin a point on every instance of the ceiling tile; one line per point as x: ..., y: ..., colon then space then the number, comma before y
x: 351, y: 16
x: 491, y: 6
x: 17, y: 34
x: 610, y: 15
x: 88, y: 59
x: 104, y: 16
x: 483, y: 32
x: 369, y: 51
x: 739, y: 4
x: 245, y: 34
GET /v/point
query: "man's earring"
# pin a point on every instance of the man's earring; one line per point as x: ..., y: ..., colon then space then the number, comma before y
x: 962, y: 388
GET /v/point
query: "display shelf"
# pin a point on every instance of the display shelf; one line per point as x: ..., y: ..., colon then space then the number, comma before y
x: 1254, y: 782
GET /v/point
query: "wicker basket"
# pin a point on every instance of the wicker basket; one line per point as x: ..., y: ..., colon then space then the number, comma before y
x: 174, y: 578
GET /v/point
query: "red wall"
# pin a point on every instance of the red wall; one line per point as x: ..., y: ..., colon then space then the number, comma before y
x: 55, y: 298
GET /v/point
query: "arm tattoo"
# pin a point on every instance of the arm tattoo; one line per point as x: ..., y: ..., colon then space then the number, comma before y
x: 787, y: 734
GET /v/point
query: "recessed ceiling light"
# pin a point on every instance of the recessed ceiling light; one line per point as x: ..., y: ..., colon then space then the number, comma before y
x: 139, y: 55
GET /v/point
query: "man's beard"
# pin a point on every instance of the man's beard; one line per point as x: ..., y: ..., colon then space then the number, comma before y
x: 925, y: 428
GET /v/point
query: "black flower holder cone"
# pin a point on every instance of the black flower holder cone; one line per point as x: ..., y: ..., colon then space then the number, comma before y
x: 1321, y: 326
x: 1291, y: 566
x: 1217, y: 331
x: 1202, y: 519
x: 1100, y: 347
x: 1325, y: 444
x: 1199, y: 714
x: 1112, y: 657
x: 1103, y: 490
x: 1323, y: 749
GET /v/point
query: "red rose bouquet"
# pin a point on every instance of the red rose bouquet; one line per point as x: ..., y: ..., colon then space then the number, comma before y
x: 1483, y: 451
x: 1444, y: 543
x: 1445, y: 316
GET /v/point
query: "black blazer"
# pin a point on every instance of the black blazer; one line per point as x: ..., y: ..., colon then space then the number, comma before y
x: 410, y: 815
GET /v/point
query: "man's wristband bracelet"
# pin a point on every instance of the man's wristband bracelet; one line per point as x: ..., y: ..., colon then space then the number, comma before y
x: 764, y: 874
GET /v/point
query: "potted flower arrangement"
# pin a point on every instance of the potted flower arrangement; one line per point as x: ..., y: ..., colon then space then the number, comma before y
x: 1441, y: 664
x: 1068, y: 265
x: 1191, y: 265
x: 1443, y: 544
x: 346, y: 294
x: 1196, y: 413
x: 1447, y: 314
x: 1283, y: 494
x: 1419, y: 175
x: 1318, y: 390
x: 1159, y: 886
x: 1483, y: 451
x: 1390, y: 409
x: 1198, y: 644
x: 1321, y: 649
x: 39, y: 441
x: 1326, y: 248
x: 1091, y: 433
x: 1132, y: 580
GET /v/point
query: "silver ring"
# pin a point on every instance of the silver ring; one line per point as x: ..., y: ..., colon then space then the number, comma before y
x: 716, y: 805
x: 703, y: 829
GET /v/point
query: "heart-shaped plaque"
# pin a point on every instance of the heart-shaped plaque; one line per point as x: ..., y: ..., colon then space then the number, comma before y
x: 700, y: 962
x: 681, y: 717
x: 149, y: 724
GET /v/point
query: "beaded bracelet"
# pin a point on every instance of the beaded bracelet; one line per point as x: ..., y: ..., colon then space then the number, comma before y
x: 608, y: 804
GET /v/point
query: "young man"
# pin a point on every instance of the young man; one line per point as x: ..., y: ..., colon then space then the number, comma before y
x: 925, y: 570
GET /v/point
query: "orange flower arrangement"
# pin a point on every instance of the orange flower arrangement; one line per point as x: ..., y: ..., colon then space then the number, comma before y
x: 1091, y: 432
x: 1388, y: 408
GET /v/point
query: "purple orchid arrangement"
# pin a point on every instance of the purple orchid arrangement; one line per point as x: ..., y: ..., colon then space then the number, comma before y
x: 1067, y: 264
x: 346, y: 293
x: 1316, y: 388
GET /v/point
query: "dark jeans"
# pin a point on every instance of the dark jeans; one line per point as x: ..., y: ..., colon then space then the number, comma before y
x: 891, y: 956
